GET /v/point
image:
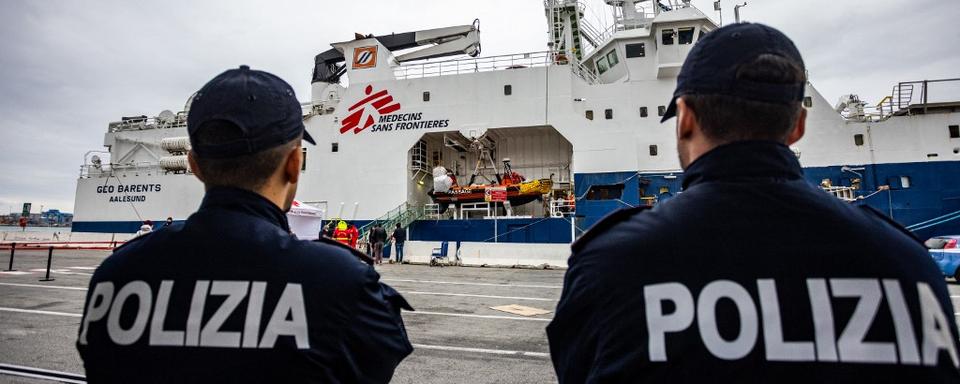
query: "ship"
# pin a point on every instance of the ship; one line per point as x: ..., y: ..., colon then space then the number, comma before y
x: 581, y: 118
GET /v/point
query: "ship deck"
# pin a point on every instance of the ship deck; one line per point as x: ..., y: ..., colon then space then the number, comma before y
x: 457, y: 337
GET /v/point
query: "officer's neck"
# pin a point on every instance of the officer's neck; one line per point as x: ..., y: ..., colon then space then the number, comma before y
x: 280, y: 194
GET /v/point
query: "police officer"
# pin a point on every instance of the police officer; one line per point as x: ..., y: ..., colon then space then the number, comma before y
x: 229, y: 295
x: 751, y: 274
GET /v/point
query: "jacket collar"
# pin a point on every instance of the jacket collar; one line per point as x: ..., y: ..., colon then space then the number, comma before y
x: 744, y: 160
x: 245, y: 201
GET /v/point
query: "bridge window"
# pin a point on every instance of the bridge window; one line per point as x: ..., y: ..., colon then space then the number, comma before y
x: 685, y: 35
x: 608, y: 114
x: 667, y: 36
x: 636, y: 50
x: 807, y: 101
x: 612, y: 58
x: 858, y: 139
x: 508, y: 89
x: 605, y: 192
x: 602, y: 65
x: 588, y: 114
x: 954, y: 131
x: 643, y: 111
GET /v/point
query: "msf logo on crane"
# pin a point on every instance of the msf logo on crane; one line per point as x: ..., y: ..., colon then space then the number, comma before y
x: 382, y: 104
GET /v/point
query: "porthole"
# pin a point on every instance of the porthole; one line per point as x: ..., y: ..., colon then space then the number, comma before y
x: 608, y: 114
x: 426, y: 96
x: 858, y: 139
x: 643, y: 111
x: 588, y: 114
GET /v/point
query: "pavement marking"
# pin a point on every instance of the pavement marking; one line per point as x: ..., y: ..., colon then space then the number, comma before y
x: 15, y: 273
x: 38, y: 312
x: 472, y: 295
x: 492, y: 317
x: 479, y: 284
x: 84, y: 268
x: 44, y: 286
x: 40, y: 373
x: 403, y: 292
x: 481, y: 350
x: 62, y: 271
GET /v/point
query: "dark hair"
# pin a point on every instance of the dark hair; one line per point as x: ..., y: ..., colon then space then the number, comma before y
x: 248, y: 171
x: 729, y: 118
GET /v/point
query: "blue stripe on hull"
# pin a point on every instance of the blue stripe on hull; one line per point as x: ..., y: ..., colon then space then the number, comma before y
x: 113, y: 226
x: 934, y: 190
x: 535, y: 230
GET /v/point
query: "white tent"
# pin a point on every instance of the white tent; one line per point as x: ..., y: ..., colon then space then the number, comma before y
x: 305, y: 220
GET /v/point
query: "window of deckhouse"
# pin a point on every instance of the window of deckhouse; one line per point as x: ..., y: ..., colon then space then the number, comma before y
x: 667, y: 36
x: 685, y: 35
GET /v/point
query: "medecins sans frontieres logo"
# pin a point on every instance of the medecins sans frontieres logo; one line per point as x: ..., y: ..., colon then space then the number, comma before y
x: 381, y: 102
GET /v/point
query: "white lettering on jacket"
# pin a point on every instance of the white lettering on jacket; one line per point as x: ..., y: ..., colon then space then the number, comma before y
x: 136, y: 299
x: 849, y: 345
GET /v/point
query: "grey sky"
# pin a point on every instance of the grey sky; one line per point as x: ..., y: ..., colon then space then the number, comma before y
x: 68, y: 68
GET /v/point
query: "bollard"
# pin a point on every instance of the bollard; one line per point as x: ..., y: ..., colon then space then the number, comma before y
x: 13, y: 247
x: 49, y: 260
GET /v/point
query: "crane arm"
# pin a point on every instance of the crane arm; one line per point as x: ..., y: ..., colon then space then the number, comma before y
x: 448, y: 41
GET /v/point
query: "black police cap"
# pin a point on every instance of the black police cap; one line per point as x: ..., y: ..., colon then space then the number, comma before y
x: 260, y: 104
x: 712, y: 64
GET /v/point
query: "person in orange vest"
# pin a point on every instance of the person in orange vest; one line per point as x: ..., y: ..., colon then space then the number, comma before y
x: 341, y: 234
x: 354, y: 235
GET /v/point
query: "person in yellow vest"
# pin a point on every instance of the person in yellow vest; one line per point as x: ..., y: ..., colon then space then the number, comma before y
x: 342, y: 234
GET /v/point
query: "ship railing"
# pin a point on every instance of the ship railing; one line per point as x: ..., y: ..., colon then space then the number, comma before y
x: 907, y: 97
x: 431, y: 211
x: 473, y: 65
x: 108, y: 170
x: 847, y: 194
x: 625, y: 25
x: 404, y: 214
x: 139, y: 123
x: 561, y: 207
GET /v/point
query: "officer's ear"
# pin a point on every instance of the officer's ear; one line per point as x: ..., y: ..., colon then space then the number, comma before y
x: 799, y: 128
x: 293, y: 164
x: 192, y: 160
x: 687, y: 124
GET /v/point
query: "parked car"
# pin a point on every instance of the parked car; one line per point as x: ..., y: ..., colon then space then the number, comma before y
x: 944, y: 251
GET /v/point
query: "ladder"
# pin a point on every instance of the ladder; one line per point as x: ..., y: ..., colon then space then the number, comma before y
x: 418, y: 157
x: 901, y: 95
x: 405, y: 214
x: 565, y: 14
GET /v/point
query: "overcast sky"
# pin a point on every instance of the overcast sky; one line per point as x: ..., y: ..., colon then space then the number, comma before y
x: 69, y: 67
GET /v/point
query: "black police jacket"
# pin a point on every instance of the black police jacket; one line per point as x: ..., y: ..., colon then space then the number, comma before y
x: 231, y: 296
x: 752, y: 275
